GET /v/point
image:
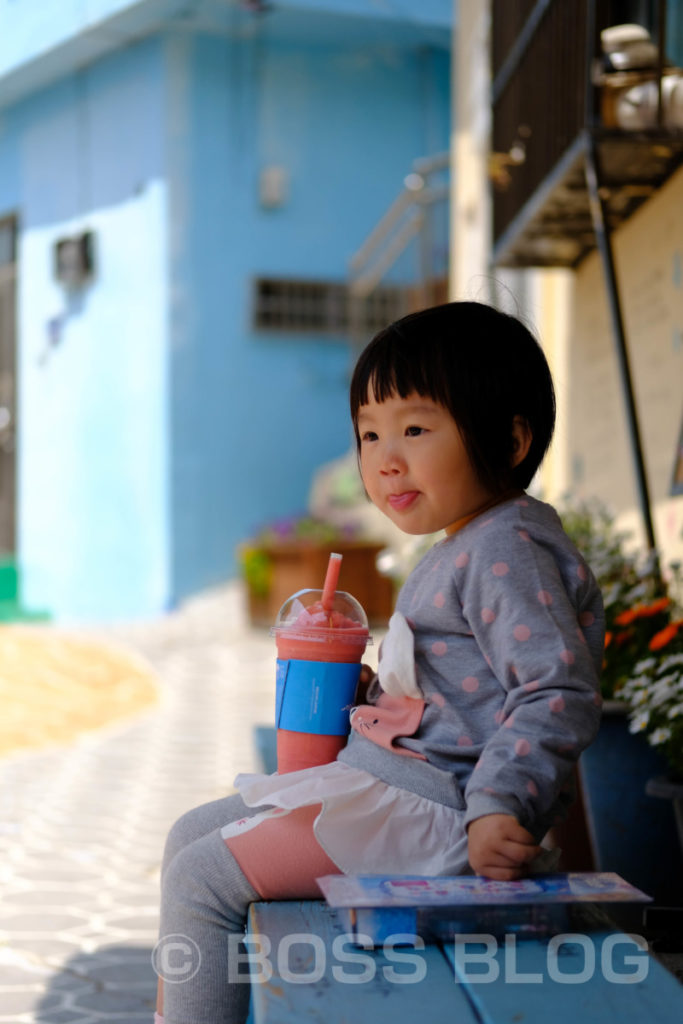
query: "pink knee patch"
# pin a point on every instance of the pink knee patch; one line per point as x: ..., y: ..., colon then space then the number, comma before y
x: 281, y: 858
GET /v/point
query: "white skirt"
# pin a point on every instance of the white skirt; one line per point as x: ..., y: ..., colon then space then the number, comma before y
x: 365, y: 826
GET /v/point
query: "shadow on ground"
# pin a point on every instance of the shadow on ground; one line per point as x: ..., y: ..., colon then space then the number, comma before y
x: 116, y: 983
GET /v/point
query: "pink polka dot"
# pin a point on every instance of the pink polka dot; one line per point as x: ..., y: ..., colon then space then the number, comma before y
x: 532, y: 685
x: 439, y: 600
x: 488, y: 615
x: 556, y: 704
x: 545, y: 597
x: 439, y: 648
x: 521, y: 633
x: 522, y: 748
x: 567, y: 657
x: 532, y: 787
x: 499, y: 717
x: 464, y: 741
x: 586, y: 618
x: 523, y: 502
x: 509, y: 722
x: 470, y: 684
x: 500, y: 569
x: 597, y: 700
x: 524, y: 534
x: 462, y: 560
x: 581, y: 571
x: 438, y: 699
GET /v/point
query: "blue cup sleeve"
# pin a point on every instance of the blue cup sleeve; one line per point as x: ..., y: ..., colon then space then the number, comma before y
x: 315, y: 696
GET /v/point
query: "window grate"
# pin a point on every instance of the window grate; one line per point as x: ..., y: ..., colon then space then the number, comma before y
x: 291, y: 305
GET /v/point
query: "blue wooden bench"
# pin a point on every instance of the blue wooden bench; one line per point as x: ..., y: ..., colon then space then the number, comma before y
x: 534, y: 982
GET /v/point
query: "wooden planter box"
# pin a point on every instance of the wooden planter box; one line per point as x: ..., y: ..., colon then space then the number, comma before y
x: 297, y: 566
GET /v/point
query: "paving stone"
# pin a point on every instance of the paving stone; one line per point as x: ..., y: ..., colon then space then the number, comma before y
x: 23, y: 1002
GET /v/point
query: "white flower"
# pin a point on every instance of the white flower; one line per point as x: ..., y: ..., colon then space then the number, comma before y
x: 639, y: 722
x: 660, y: 693
x: 670, y: 661
x: 645, y: 664
x: 675, y: 711
x: 659, y: 736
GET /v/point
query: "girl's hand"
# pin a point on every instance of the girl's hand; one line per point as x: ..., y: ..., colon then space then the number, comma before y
x: 367, y: 674
x: 499, y: 847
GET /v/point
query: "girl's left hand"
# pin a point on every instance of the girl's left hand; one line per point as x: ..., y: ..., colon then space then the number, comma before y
x: 367, y: 674
x: 499, y: 847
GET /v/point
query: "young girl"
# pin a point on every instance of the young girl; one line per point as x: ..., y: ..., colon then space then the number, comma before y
x: 461, y: 754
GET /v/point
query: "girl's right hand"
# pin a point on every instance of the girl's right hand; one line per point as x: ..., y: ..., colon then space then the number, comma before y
x: 499, y: 847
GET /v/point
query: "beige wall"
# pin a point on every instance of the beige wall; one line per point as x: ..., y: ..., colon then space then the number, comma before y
x: 649, y: 257
x: 470, y: 203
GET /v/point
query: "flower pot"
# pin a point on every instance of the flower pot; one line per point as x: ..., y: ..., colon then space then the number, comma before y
x: 297, y: 565
x: 631, y: 832
x: 665, y: 788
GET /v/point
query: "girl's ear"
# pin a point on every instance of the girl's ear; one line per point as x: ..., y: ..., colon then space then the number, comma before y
x: 521, y: 440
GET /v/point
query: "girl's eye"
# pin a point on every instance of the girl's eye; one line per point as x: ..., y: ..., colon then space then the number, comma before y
x: 414, y: 431
x: 369, y: 435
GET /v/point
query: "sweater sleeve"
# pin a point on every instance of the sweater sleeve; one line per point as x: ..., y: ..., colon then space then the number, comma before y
x: 537, y: 640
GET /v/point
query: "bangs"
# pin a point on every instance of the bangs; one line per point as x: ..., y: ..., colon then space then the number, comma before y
x: 392, y: 366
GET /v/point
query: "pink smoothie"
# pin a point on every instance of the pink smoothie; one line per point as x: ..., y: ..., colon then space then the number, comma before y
x: 306, y: 631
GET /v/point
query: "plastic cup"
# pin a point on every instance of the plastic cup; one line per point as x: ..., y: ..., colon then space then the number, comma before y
x: 319, y: 648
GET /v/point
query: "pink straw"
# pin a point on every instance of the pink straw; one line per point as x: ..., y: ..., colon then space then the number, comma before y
x: 331, y: 580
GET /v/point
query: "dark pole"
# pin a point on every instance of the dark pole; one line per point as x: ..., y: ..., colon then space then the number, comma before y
x: 602, y: 235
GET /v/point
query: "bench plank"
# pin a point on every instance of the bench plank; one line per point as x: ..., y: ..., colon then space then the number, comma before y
x: 436, y: 998
x: 596, y: 1000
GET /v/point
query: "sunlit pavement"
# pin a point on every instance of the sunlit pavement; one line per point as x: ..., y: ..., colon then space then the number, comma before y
x: 82, y: 828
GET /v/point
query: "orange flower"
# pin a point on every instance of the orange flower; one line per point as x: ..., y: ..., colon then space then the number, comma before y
x: 645, y: 610
x: 608, y: 638
x: 642, y: 611
x: 665, y: 636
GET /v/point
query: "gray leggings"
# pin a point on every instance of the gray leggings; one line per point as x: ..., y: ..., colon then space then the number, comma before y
x: 204, y: 901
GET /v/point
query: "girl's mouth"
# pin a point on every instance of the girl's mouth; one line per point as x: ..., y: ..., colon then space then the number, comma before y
x: 404, y: 500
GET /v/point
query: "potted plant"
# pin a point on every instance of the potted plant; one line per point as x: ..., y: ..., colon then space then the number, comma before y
x: 641, y: 618
x: 292, y: 554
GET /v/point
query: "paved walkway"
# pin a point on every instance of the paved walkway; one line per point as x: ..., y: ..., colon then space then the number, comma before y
x: 82, y: 828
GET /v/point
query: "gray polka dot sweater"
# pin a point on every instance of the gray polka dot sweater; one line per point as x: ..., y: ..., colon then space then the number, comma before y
x: 508, y: 630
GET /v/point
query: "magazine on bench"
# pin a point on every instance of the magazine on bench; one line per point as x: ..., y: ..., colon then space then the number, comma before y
x: 375, y: 906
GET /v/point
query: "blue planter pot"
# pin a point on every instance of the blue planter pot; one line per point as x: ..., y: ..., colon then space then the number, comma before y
x: 631, y: 832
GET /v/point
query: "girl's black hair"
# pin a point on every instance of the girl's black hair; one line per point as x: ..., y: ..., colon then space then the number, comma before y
x: 483, y: 365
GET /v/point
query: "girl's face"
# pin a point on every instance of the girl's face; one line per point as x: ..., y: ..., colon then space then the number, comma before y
x: 414, y: 464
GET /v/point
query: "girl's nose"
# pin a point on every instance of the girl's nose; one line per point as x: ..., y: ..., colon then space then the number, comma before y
x: 392, y: 461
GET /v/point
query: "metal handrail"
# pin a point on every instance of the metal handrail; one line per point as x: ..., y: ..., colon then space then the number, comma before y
x: 393, y: 233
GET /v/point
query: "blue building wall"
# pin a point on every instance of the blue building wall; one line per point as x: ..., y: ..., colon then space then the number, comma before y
x: 88, y: 153
x: 156, y: 428
x: 346, y: 125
